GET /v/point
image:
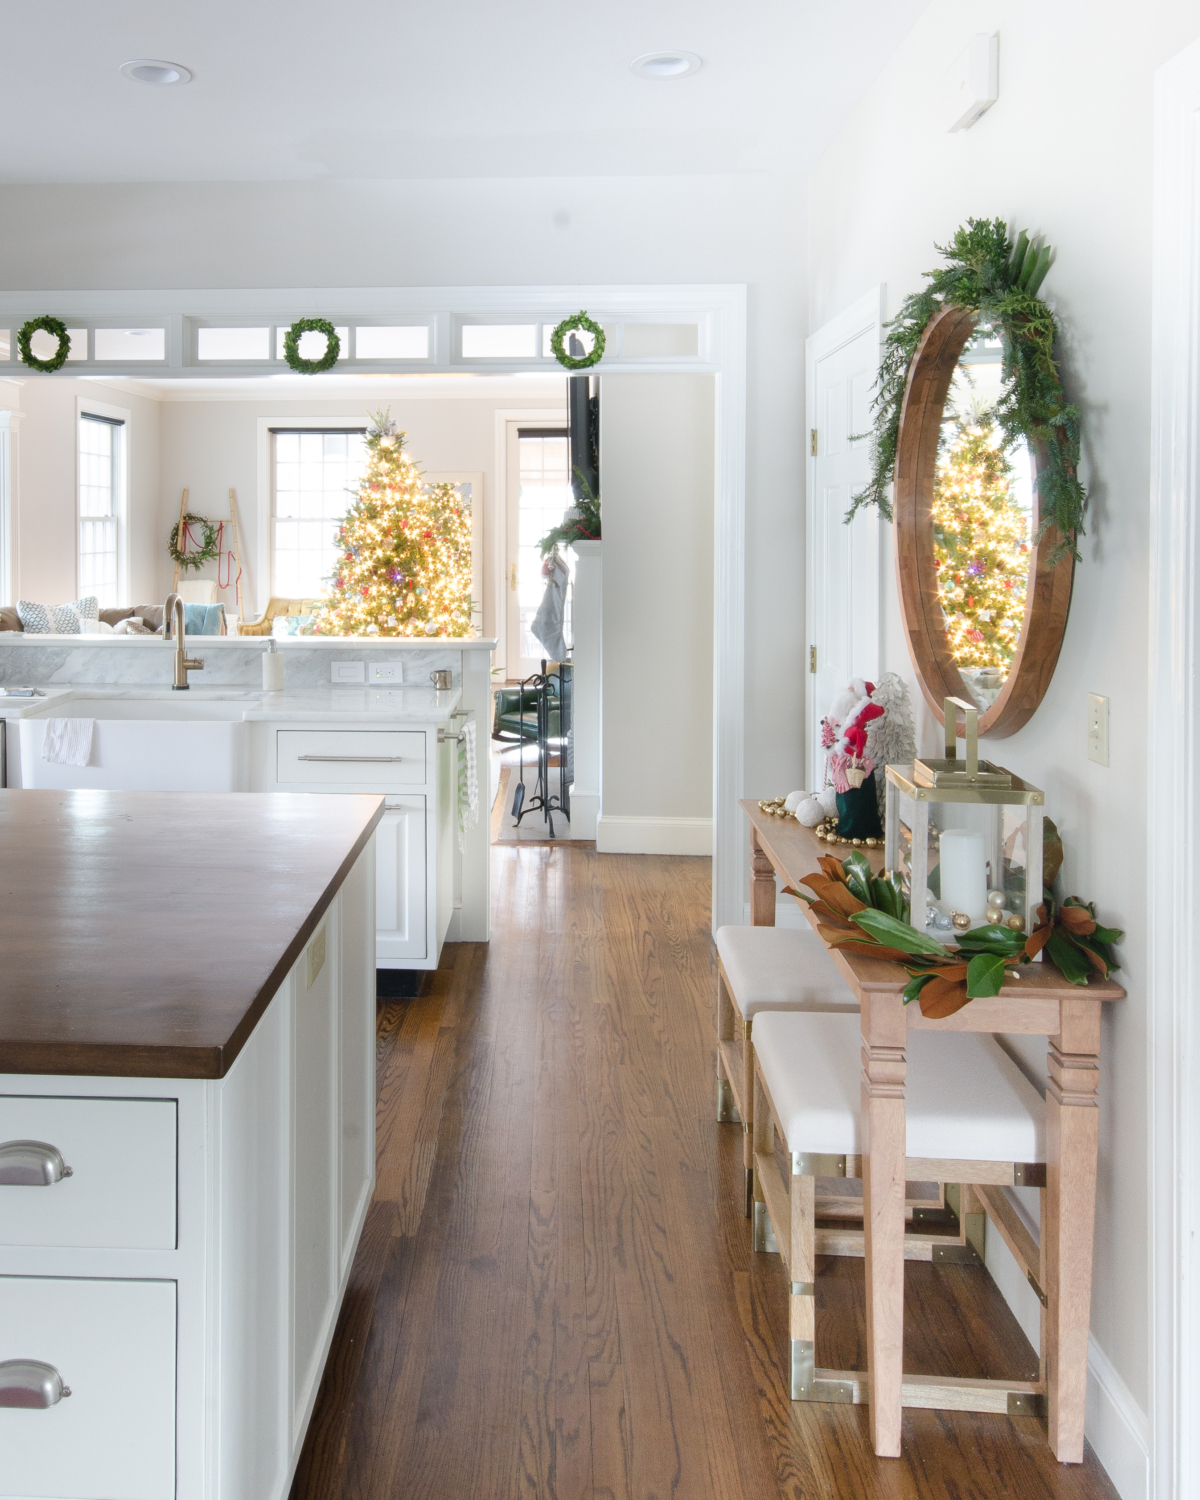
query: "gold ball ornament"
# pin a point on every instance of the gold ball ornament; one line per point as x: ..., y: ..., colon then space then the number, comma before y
x: 962, y: 922
x: 1016, y: 922
x: 995, y: 916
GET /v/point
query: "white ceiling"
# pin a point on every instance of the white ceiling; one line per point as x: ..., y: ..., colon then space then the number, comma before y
x: 460, y: 88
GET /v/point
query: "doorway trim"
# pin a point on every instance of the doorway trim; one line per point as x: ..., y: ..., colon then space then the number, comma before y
x: 1173, y: 813
x: 718, y: 310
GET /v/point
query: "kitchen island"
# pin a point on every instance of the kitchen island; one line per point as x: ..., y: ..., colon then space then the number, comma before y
x: 186, y: 1132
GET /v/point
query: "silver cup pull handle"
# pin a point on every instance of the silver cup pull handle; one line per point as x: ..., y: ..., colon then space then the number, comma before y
x: 31, y: 1164
x: 30, y: 1384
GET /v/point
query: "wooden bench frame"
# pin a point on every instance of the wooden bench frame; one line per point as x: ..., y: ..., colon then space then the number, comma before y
x: 784, y: 1220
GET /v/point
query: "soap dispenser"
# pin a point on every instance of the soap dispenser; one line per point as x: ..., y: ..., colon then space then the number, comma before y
x: 272, y: 668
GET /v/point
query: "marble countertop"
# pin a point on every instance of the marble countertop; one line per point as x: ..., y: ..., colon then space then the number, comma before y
x: 326, y: 704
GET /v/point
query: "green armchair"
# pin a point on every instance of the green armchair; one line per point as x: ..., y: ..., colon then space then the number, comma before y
x: 516, y: 716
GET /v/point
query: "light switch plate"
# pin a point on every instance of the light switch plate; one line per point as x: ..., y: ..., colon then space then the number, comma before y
x: 348, y: 671
x: 387, y: 671
x: 1098, y: 729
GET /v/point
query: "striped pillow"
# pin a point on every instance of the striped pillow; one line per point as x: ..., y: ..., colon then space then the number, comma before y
x: 57, y: 619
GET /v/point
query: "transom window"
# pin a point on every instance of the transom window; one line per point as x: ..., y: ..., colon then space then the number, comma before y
x: 316, y: 476
x: 101, y: 487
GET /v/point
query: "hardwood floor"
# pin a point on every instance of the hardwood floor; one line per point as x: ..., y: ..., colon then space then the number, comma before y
x: 555, y: 1294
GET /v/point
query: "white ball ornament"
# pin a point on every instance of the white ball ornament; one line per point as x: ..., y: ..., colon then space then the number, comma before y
x: 996, y: 899
x: 828, y: 800
x: 793, y: 800
x: 810, y: 812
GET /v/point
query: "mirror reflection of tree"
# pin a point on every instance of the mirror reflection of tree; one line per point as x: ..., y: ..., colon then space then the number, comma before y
x: 981, y: 529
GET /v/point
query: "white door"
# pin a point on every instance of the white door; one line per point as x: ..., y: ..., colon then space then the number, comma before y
x: 843, y: 575
x: 400, y: 882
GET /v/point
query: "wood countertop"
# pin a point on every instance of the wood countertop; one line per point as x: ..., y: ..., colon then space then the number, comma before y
x: 143, y: 934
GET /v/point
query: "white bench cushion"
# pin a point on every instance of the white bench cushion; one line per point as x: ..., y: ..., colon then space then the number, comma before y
x: 965, y: 1097
x: 781, y: 968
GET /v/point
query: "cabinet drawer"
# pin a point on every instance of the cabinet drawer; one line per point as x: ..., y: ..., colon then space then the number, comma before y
x: 121, y: 1191
x: 376, y: 758
x: 113, y: 1344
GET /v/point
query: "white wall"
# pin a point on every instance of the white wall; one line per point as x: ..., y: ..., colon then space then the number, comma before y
x: 1066, y: 151
x: 718, y: 229
x: 657, y: 435
x: 44, y: 529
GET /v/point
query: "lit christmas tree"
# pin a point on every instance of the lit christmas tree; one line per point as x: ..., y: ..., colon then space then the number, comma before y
x: 981, y: 544
x: 405, y: 564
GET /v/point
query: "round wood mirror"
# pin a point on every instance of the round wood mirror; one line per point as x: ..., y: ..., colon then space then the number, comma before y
x: 983, y: 610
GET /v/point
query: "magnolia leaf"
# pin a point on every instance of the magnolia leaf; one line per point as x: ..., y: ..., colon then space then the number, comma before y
x: 790, y: 890
x: 985, y: 975
x: 1069, y: 959
x: 885, y: 898
x: 942, y: 997
x: 860, y: 889
x: 1107, y: 934
x: 1037, y: 940
x: 833, y: 868
x: 859, y: 864
x: 992, y: 940
x: 1076, y: 919
x: 861, y: 946
x: 915, y: 985
x: 1098, y: 954
x: 887, y: 929
x: 843, y: 901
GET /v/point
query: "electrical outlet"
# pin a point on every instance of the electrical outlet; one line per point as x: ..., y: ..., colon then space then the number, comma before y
x: 387, y: 671
x: 1098, y: 729
x: 348, y: 671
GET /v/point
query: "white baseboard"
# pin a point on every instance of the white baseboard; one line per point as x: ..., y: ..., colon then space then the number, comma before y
x: 1114, y: 1423
x: 617, y: 834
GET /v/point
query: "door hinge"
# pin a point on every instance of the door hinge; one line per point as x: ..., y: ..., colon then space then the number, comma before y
x: 812, y: 658
x: 512, y: 577
x: 812, y: 442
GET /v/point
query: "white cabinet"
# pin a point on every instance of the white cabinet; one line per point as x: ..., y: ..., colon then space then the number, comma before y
x: 400, y: 883
x: 113, y: 1345
x: 120, y: 1153
x: 192, y: 1314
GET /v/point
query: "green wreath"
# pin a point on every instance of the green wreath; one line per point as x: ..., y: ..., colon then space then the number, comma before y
x: 584, y: 323
x: 999, y: 281
x: 208, y: 550
x: 53, y: 326
x: 291, y: 346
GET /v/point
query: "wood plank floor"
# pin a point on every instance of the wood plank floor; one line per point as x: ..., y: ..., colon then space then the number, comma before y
x: 555, y: 1294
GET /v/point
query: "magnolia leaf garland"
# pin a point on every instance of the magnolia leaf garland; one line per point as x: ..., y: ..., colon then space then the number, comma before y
x: 864, y: 913
x: 209, y: 548
x: 997, y: 280
x: 57, y: 329
x: 291, y: 346
x: 583, y: 323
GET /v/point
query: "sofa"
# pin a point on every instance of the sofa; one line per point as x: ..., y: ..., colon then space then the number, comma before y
x: 151, y: 615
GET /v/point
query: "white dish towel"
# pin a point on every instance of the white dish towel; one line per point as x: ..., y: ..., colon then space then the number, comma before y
x: 468, y: 781
x: 68, y: 742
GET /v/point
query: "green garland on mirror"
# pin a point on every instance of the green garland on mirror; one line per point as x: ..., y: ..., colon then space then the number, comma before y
x: 584, y: 324
x: 57, y: 329
x: 209, y: 548
x: 291, y: 346
x: 998, y: 280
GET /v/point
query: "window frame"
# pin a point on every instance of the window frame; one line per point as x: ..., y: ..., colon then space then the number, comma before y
x: 121, y: 418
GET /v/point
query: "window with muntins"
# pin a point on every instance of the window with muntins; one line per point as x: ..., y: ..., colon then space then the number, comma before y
x: 101, y: 461
x: 316, y: 478
x: 545, y: 493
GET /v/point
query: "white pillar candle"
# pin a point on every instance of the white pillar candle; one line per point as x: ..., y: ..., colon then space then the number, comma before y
x: 963, y: 872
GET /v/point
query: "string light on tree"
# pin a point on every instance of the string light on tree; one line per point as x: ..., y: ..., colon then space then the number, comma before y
x: 404, y: 567
x: 981, y: 545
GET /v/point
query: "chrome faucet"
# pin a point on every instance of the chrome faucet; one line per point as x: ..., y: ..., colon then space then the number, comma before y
x: 173, y: 615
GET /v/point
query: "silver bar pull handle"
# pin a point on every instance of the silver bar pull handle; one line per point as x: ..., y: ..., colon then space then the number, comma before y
x: 30, y: 1384
x: 363, y: 759
x: 31, y: 1164
x: 446, y: 739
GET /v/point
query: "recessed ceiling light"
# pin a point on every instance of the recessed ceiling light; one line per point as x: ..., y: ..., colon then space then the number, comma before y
x: 153, y: 70
x: 665, y: 64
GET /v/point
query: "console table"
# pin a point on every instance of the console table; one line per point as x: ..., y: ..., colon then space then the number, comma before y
x: 1036, y: 1001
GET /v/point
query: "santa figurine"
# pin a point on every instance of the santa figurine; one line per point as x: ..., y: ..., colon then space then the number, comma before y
x: 866, y: 726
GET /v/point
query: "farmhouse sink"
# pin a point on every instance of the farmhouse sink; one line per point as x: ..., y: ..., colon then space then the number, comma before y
x: 150, y: 743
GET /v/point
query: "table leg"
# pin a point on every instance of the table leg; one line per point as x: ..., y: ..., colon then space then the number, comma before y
x: 883, y: 1139
x: 762, y: 885
x: 1072, y: 1140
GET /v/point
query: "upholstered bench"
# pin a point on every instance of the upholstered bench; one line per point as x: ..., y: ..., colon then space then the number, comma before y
x: 765, y: 969
x: 972, y: 1118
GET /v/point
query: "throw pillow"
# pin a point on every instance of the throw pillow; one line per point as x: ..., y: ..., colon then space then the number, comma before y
x: 57, y: 619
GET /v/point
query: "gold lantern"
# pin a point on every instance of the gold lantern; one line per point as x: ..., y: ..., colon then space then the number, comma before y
x: 966, y: 837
